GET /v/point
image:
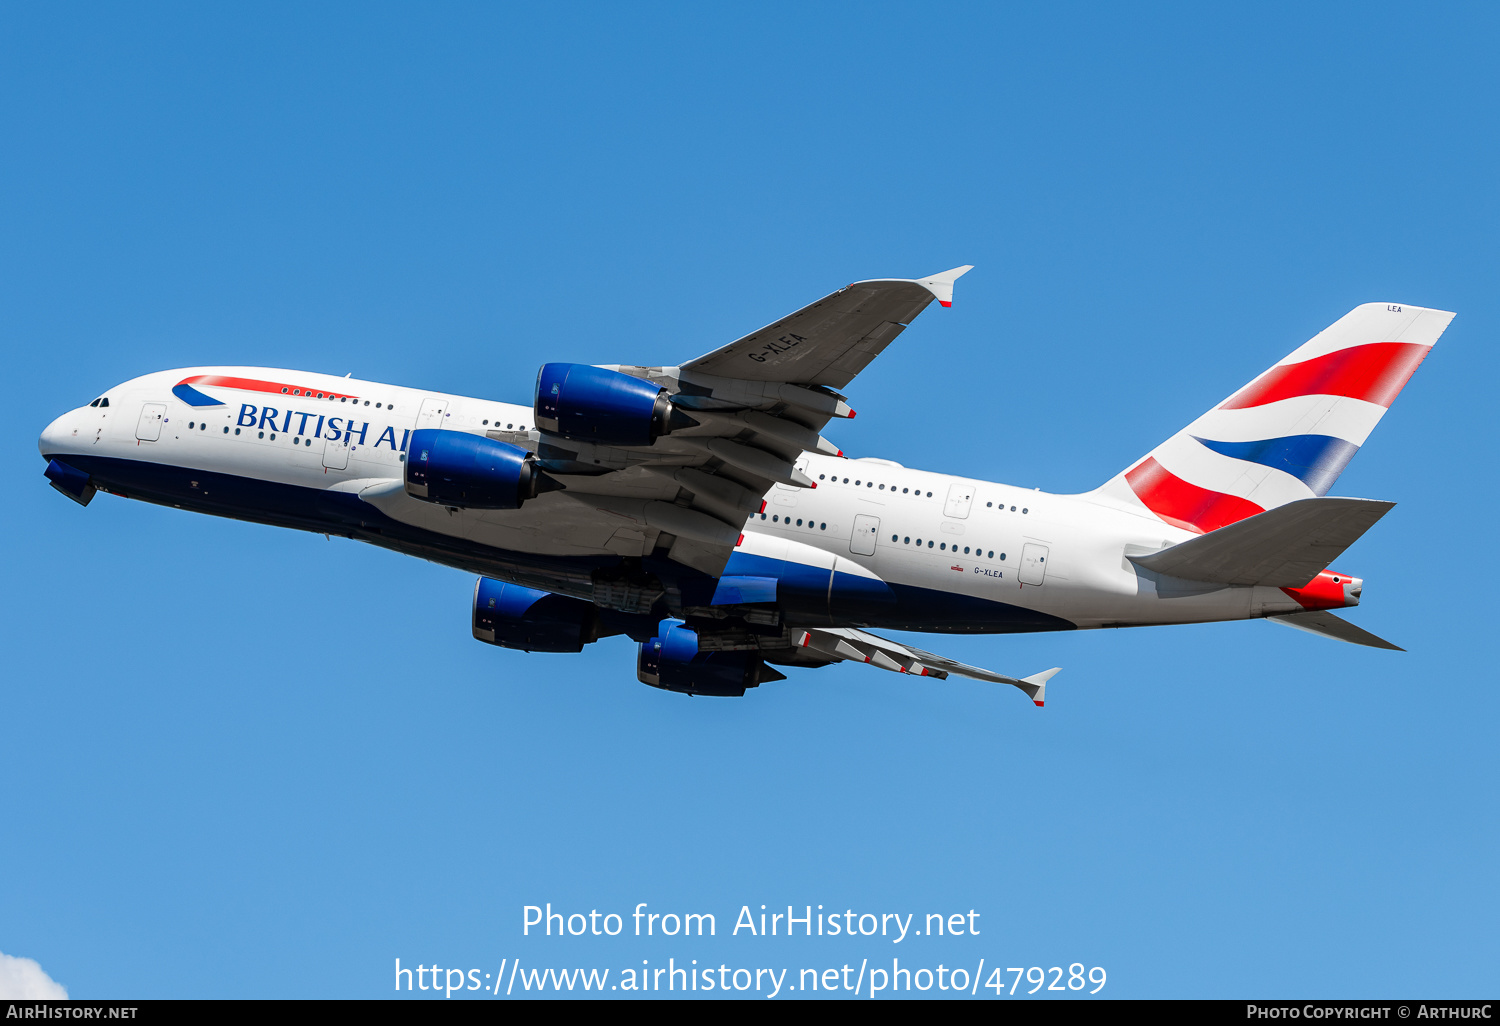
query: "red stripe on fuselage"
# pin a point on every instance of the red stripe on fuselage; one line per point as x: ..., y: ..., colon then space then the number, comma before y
x: 256, y: 385
x: 1186, y: 505
x: 1375, y: 373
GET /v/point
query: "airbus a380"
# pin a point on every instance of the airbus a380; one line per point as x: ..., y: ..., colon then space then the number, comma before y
x: 698, y: 509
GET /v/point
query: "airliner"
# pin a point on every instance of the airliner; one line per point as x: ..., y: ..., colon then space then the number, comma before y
x: 699, y: 510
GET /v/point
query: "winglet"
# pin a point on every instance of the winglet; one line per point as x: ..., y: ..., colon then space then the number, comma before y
x: 1036, y: 685
x: 941, y: 285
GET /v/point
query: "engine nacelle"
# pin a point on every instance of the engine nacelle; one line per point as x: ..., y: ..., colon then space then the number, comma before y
x: 454, y: 468
x: 511, y: 616
x: 591, y: 404
x: 671, y: 661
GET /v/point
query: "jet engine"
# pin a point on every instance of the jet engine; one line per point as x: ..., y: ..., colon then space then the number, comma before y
x: 671, y: 661
x: 454, y: 468
x: 511, y: 616
x: 591, y: 404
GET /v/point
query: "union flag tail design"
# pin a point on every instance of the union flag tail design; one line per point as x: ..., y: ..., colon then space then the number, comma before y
x: 1288, y: 434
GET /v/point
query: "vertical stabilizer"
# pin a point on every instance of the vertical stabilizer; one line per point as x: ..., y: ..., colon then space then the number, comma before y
x: 1288, y: 434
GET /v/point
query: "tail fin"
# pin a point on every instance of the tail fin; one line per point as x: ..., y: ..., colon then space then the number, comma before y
x: 1288, y: 434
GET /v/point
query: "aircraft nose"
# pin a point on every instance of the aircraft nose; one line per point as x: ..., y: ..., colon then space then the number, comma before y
x: 56, y: 436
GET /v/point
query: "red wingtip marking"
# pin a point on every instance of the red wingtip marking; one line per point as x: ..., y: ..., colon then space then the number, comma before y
x: 1039, y: 705
x: 762, y: 506
x: 946, y: 302
x: 815, y: 484
x: 851, y: 414
x: 740, y: 542
x: 841, y: 454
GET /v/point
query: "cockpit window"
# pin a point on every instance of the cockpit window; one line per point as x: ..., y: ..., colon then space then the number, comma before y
x: 96, y: 402
x: 104, y: 402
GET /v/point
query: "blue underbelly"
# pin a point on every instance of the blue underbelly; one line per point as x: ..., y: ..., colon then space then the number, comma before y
x: 807, y: 595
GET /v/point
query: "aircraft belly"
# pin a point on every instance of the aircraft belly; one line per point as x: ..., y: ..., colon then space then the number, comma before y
x: 332, y: 511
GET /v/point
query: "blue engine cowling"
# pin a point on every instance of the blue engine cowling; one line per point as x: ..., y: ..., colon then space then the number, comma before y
x: 671, y: 661
x: 454, y: 468
x: 592, y: 404
x: 511, y: 616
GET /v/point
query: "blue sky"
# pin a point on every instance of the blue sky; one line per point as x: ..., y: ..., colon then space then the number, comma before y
x: 249, y: 762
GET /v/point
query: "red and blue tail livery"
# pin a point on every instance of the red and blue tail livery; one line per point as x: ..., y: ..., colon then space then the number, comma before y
x: 1288, y: 434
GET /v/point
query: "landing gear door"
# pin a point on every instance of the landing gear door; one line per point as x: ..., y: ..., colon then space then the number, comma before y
x: 959, y: 498
x: 432, y: 413
x: 862, y: 541
x: 148, y: 428
x: 1033, y: 563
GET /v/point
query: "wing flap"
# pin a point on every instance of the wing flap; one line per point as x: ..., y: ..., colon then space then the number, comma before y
x: 1285, y: 547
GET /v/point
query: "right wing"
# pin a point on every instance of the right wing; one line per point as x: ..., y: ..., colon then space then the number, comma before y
x: 854, y: 645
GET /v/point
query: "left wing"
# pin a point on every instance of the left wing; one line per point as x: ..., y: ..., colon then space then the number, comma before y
x: 852, y: 644
x: 742, y: 417
x: 828, y: 342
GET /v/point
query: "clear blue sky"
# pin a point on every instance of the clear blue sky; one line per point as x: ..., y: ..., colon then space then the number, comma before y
x: 241, y: 761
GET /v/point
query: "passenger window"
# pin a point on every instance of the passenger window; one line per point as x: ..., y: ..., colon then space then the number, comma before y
x: 822, y: 527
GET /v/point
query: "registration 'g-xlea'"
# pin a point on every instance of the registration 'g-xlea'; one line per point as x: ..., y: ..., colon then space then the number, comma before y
x: 700, y: 510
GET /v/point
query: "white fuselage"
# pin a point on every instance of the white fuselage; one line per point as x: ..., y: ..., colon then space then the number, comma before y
x: 1059, y: 555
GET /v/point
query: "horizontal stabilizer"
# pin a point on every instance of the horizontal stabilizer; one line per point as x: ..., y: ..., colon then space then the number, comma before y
x: 1325, y: 623
x: 1285, y: 547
